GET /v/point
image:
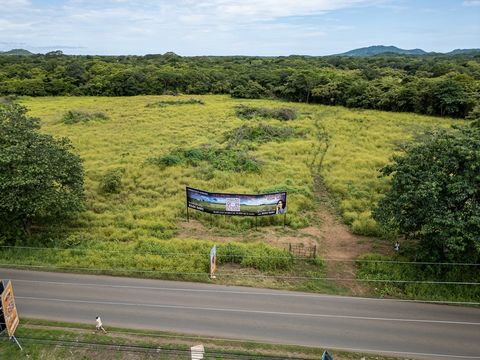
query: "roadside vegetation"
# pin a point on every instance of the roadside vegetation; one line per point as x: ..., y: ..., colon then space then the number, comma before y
x: 48, y: 340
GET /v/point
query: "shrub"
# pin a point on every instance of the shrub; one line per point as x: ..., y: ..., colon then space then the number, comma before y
x: 75, y: 116
x: 249, y: 112
x: 111, y: 182
x: 260, y: 133
x: 284, y: 114
x: 220, y: 159
x: 163, y: 103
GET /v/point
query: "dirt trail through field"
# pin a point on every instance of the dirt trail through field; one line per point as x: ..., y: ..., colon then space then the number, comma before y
x: 339, y: 247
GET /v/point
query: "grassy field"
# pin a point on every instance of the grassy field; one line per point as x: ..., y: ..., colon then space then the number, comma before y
x: 156, y: 151
x: 47, y: 340
x: 152, y: 199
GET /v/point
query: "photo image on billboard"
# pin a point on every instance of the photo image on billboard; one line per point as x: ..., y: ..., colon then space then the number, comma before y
x: 237, y: 204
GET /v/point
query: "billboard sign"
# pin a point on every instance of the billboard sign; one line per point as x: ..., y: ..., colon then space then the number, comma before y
x: 10, y: 314
x: 237, y: 204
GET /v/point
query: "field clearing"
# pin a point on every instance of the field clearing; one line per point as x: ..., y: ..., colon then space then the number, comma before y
x: 152, y: 199
x: 139, y: 227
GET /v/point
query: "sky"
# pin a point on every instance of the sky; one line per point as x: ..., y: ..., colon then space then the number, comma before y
x: 236, y: 27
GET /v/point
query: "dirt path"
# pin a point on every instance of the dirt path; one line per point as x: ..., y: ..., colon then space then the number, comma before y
x: 339, y: 247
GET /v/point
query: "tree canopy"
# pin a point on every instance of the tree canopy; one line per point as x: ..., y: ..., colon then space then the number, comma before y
x: 40, y: 177
x: 428, y: 84
x: 435, y: 195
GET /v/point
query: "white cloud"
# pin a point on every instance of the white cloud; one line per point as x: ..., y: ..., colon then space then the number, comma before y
x: 471, y: 3
x: 6, y: 4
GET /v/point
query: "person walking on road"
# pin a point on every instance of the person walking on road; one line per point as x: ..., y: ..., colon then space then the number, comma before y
x: 99, y: 325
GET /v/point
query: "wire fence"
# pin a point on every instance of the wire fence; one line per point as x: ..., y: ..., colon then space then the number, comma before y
x: 169, y: 351
x: 307, y: 252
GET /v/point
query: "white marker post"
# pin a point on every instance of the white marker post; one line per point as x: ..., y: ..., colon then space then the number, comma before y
x: 213, y: 262
x: 197, y: 352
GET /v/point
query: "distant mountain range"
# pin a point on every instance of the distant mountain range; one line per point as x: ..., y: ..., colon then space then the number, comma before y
x: 365, y: 51
x: 381, y: 49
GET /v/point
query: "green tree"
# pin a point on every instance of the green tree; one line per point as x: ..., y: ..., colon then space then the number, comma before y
x: 40, y: 178
x: 435, y: 195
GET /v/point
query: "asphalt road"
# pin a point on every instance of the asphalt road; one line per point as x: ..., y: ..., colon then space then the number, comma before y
x: 333, y: 322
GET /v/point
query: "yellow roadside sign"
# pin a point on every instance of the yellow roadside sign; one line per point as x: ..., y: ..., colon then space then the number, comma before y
x: 9, y: 309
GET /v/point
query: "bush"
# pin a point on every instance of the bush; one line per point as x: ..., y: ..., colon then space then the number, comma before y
x: 261, y: 133
x: 249, y: 112
x: 284, y: 114
x: 75, y: 116
x: 111, y: 182
x: 220, y: 159
x: 411, y: 272
x: 163, y: 103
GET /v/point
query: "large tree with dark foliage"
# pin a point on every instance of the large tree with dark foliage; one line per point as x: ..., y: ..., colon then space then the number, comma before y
x: 435, y: 195
x: 40, y: 178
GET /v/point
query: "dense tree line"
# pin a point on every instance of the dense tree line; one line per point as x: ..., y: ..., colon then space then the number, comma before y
x: 430, y: 84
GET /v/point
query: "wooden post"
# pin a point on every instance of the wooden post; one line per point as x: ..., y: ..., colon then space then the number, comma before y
x: 284, y: 218
x: 186, y: 194
x: 314, y: 251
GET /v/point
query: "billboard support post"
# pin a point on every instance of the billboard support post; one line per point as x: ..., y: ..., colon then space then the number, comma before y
x: 16, y: 341
x: 284, y: 218
x: 188, y: 215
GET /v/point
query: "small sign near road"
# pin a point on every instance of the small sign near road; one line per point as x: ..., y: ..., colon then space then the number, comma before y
x: 9, y: 310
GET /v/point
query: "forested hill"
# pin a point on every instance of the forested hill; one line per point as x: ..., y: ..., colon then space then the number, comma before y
x: 381, y: 49
x: 429, y: 84
x: 16, y: 52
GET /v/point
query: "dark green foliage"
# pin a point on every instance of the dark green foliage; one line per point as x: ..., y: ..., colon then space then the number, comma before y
x: 249, y: 90
x: 111, y: 182
x: 220, y: 159
x: 76, y: 116
x: 249, y: 112
x: 433, y: 84
x: 474, y: 116
x: 260, y: 133
x: 435, y: 195
x: 415, y: 274
x: 40, y: 178
x: 163, y: 103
